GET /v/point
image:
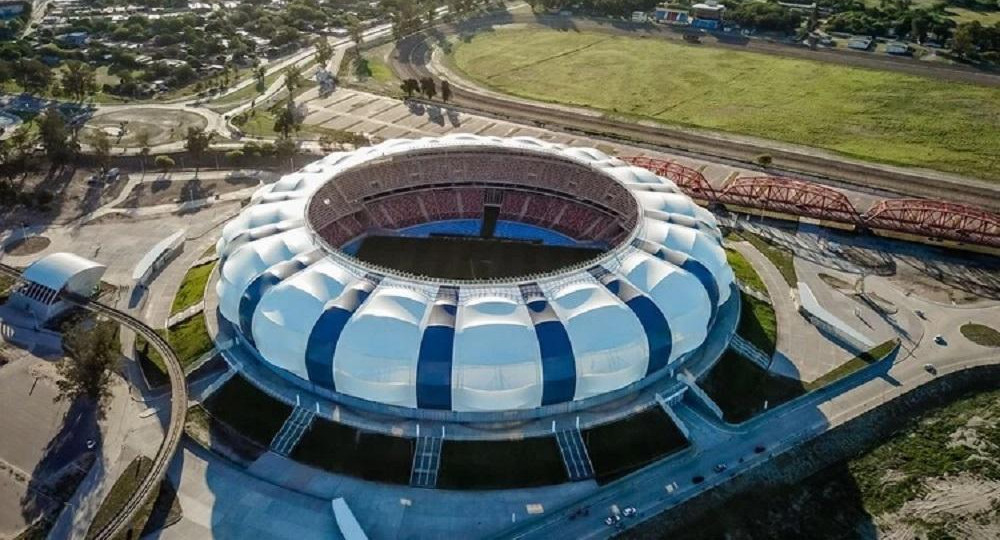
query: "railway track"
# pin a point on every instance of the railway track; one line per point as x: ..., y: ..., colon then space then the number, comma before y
x: 118, y: 526
x: 414, y: 55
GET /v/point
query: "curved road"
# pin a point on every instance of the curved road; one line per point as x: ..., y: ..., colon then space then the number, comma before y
x: 413, y: 59
x: 149, y: 486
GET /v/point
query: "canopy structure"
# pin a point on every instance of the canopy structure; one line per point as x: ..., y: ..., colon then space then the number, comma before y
x: 51, y: 275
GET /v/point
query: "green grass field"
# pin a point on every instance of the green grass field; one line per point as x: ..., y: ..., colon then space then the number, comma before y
x: 860, y: 361
x: 758, y: 323
x: 980, y: 334
x: 192, y: 288
x: 873, y: 115
x: 189, y: 340
x: 744, y: 272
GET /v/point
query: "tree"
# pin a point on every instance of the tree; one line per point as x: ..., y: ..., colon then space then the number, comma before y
x: 102, y: 149
x: 260, y: 72
x: 445, y: 91
x: 55, y: 137
x: 409, y: 86
x: 430, y: 6
x: 142, y: 139
x: 34, y: 76
x: 428, y: 87
x: 293, y: 78
x: 285, y: 148
x: 164, y: 163
x: 964, y: 42
x: 79, y: 80
x: 235, y: 156
x: 354, y: 28
x: 287, y: 119
x: 93, y: 355
x: 323, y: 51
x: 197, y: 143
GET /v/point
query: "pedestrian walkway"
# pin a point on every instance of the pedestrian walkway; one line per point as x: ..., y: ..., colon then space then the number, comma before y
x: 426, y: 462
x: 291, y: 432
x: 574, y: 454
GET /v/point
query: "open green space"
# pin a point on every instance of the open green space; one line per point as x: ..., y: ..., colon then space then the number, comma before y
x: 980, y: 334
x: 780, y: 257
x: 868, y: 114
x: 343, y: 449
x: 618, y: 448
x: 189, y: 339
x: 249, y: 411
x: 745, y: 273
x: 161, y: 511
x: 370, y: 71
x: 743, y: 389
x: 501, y: 464
x: 121, y: 491
x: 860, y: 361
x: 192, y: 289
x: 758, y: 323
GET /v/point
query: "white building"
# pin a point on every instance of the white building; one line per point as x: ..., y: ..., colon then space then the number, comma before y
x: 51, y: 275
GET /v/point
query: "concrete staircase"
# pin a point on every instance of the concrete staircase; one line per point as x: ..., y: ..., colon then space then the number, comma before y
x: 291, y: 432
x: 574, y: 454
x: 750, y: 352
x: 426, y: 462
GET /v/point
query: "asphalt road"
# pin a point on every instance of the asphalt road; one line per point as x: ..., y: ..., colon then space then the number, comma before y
x: 787, y: 426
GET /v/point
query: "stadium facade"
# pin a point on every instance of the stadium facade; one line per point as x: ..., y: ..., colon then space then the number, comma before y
x: 297, y: 295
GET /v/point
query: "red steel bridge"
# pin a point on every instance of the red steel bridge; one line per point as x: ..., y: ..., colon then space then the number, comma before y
x: 922, y: 217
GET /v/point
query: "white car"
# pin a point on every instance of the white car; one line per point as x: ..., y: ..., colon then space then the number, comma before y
x: 629, y: 511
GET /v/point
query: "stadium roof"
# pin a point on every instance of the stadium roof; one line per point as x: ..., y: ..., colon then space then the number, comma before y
x: 325, y: 318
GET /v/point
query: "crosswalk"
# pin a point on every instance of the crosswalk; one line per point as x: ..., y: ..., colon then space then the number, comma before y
x: 426, y: 462
x: 574, y: 454
x: 294, y: 427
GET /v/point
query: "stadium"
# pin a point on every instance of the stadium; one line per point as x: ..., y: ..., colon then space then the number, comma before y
x: 465, y: 277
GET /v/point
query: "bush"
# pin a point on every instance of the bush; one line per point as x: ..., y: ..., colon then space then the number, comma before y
x: 164, y: 162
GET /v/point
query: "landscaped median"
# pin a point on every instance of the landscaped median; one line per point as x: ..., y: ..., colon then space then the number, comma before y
x: 758, y: 323
x: 980, y: 334
x: 158, y: 513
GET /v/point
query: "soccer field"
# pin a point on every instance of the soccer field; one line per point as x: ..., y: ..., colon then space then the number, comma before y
x: 874, y: 115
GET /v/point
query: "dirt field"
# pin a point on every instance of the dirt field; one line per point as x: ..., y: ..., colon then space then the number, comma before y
x: 163, y: 125
x: 27, y: 246
x: 72, y: 195
x: 175, y: 191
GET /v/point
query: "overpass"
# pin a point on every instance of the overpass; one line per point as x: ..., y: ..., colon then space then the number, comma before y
x: 148, y: 487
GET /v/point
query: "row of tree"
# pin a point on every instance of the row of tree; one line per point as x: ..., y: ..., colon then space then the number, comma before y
x: 427, y: 87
